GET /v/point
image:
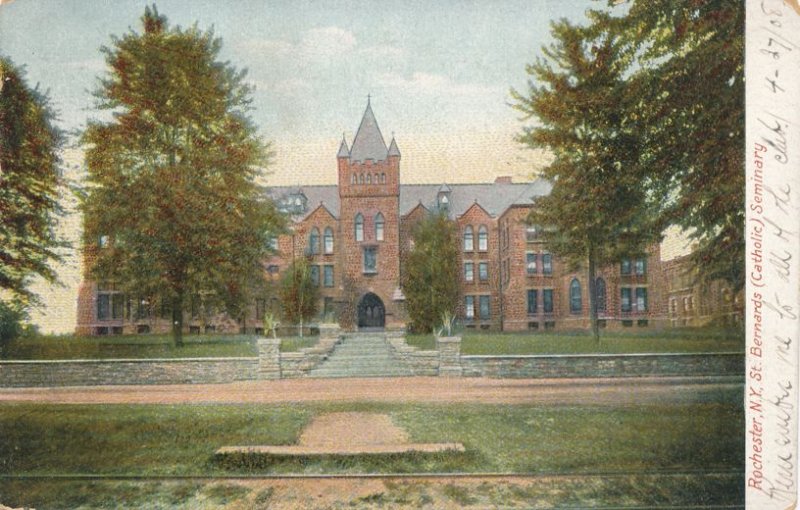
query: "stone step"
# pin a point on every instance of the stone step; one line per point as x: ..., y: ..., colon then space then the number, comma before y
x: 361, y: 355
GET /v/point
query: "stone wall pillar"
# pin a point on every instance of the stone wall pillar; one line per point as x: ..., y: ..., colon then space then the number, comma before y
x: 269, y: 358
x: 329, y: 331
x: 449, y: 348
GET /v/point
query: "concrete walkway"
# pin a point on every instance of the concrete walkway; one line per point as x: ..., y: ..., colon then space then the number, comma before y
x: 629, y: 391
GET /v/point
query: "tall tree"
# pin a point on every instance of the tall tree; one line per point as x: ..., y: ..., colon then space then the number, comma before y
x: 431, y: 274
x: 601, y: 207
x: 172, y: 200
x: 29, y: 185
x: 690, y: 113
x: 299, y: 294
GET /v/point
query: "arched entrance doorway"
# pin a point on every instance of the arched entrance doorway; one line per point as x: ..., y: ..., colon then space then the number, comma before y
x: 371, y: 313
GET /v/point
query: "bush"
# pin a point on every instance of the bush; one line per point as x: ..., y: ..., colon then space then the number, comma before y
x: 11, y: 317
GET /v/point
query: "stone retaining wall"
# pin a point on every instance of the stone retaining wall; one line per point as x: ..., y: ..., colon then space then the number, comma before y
x: 604, y: 365
x: 126, y: 371
x: 419, y: 362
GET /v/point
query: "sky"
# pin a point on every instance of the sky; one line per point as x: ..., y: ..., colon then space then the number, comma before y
x: 438, y: 73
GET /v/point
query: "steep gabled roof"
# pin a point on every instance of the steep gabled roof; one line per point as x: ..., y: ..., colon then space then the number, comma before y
x: 344, y: 152
x: 368, y: 143
x: 393, y: 150
x: 494, y: 198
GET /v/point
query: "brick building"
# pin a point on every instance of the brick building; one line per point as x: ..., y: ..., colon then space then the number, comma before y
x: 356, y: 232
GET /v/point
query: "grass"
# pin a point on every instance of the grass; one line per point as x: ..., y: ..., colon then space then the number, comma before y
x: 682, y: 340
x: 130, y: 346
x: 181, y: 440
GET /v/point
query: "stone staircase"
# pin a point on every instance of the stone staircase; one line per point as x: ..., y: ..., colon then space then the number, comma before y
x: 361, y: 355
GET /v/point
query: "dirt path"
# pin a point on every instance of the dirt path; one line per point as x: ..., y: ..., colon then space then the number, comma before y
x: 631, y: 391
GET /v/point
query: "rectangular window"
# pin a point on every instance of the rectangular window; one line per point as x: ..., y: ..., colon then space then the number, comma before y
x: 533, y: 301
x: 625, y: 266
x: 315, y: 276
x: 328, y: 276
x: 485, y: 310
x: 625, y: 302
x: 641, y: 267
x: 370, y: 259
x: 483, y: 271
x: 547, y: 263
x: 641, y: 299
x: 469, y: 307
x: 547, y: 300
x: 530, y: 261
x: 531, y: 234
x: 469, y: 271
x: 483, y: 239
x: 327, y: 307
x: 103, y: 306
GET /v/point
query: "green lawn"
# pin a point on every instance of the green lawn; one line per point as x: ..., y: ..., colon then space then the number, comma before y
x: 181, y: 440
x: 650, y: 341
x: 130, y: 346
x: 143, y: 346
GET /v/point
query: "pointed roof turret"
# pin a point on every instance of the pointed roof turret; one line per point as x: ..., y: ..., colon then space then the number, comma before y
x: 344, y: 152
x: 393, y: 150
x: 368, y: 142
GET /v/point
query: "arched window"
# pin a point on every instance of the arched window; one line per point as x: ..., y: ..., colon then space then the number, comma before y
x: 375, y: 178
x: 468, y: 242
x: 359, y: 227
x: 328, y: 240
x: 600, y: 295
x: 383, y: 178
x: 361, y: 178
x: 483, y: 238
x: 353, y: 179
x: 369, y: 179
x: 313, y: 241
x: 379, y: 227
x: 575, y: 296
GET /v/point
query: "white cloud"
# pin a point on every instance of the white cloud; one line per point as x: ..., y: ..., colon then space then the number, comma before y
x: 426, y: 83
x: 315, y: 45
x: 323, y: 43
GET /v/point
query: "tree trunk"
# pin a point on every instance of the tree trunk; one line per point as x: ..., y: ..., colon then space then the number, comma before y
x: 177, y: 319
x: 593, y: 298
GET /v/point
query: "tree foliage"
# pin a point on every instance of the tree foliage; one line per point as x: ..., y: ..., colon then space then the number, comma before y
x: 172, y: 190
x: 690, y: 113
x: 431, y: 273
x: 29, y: 185
x: 299, y: 294
x: 603, y: 206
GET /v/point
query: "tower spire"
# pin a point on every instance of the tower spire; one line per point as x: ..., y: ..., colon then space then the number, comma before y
x: 368, y: 142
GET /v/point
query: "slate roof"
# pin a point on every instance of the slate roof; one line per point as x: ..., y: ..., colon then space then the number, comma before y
x: 495, y: 198
x: 344, y: 152
x: 368, y: 142
x: 393, y: 150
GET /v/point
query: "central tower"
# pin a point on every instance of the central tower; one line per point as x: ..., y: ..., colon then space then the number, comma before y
x: 369, y: 193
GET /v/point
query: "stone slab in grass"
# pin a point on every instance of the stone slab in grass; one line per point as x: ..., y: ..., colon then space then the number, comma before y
x: 348, y: 433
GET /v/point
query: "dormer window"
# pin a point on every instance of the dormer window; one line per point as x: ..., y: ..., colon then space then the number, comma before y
x: 314, y: 241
